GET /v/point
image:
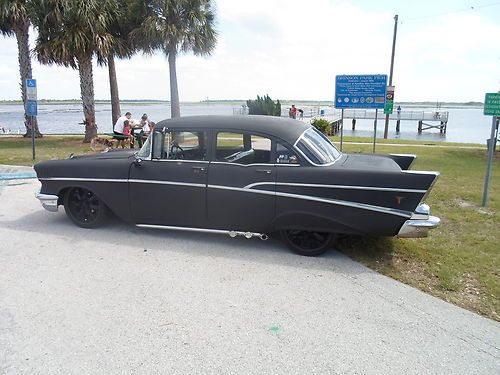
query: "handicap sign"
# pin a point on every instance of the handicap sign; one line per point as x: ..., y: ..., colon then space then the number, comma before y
x: 31, y: 108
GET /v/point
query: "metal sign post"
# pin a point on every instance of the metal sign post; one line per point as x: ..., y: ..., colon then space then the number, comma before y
x: 375, y: 130
x: 31, y: 108
x: 341, y: 128
x: 491, y: 108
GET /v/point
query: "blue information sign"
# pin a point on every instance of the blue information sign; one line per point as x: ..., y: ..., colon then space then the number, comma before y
x: 31, y: 108
x: 360, y: 91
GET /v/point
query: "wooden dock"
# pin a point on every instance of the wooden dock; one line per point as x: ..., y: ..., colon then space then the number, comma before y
x: 425, y: 119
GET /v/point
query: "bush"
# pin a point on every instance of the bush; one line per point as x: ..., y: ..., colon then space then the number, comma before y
x: 323, y: 125
x: 264, y: 106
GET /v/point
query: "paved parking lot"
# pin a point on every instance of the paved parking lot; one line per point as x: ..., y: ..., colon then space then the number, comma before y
x: 124, y: 300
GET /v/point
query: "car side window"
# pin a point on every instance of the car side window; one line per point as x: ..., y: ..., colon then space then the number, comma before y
x: 243, y: 148
x: 183, y: 145
x: 285, y: 156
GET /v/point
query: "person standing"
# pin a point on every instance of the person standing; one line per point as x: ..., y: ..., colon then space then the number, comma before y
x: 118, y: 129
x: 293, y: 111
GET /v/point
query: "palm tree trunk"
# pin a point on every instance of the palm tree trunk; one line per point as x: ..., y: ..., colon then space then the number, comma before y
x: 23, y: 49
x: 87, y: 92
x: 113, y: 88
x: 175, y: 108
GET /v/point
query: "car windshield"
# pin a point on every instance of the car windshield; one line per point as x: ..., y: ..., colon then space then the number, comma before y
x: 316, y: 147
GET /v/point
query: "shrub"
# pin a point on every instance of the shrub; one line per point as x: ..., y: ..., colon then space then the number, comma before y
x: 323, y: 125
x: 264, y: 106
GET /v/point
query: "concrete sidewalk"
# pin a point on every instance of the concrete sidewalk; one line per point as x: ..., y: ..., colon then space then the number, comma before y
x: 124, y: 300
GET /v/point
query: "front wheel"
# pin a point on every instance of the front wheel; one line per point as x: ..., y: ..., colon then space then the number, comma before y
x: 308, y: 243
x: 84, y: 208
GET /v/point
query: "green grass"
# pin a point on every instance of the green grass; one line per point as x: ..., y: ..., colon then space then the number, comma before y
x: 18, y: 151
x: 459, y: 261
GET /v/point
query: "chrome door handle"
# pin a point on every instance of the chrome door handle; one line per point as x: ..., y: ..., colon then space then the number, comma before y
x: 199, y: 169
x: 266, y: 171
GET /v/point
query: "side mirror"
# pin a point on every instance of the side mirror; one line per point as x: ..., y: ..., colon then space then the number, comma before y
x: 138, y: 162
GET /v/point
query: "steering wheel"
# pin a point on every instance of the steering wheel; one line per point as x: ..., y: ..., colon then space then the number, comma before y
x: 176, y: 152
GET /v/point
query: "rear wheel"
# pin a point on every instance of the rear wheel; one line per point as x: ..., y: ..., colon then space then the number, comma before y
x: 84, y: 208
x: 308, y: 243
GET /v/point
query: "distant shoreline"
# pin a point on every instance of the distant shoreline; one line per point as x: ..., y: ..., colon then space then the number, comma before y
x: 240, y: 102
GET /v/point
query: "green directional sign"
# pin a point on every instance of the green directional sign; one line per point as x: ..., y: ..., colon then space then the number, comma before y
x: 492, y: 104
x: 389, y: 107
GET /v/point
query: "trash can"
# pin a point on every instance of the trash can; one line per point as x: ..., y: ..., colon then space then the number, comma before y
x: 322, y: 112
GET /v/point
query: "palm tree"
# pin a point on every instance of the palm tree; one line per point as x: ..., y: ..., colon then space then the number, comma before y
x: 177, y: 26
x: 70, y: 33
x: 15, y: 20
x: 131, y: 15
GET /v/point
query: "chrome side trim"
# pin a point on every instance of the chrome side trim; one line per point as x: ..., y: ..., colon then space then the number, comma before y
x: 220, y: 187
x: 231, y: 233
x: 49, y: 202
x: 362, y: 206
x: 243, y: 165
x: 422, y: 172
x: 83, y: 179
x: 182, y: 161
x: 156, y: 182
x: 416, y: 228
x: 349, y: 187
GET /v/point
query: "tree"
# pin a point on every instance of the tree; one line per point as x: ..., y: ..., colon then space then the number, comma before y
x: 71, y: 33
x: 132, y: 13
x: 15, y: 20
x: 177, y: 26
x: 264, y: 106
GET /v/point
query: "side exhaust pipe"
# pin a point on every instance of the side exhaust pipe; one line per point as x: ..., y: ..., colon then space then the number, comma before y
x: 234, y: 233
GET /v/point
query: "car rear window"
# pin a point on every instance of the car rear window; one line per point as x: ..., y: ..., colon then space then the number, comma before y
x: 316, y: 147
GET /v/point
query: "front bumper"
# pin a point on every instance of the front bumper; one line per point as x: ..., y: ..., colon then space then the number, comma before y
x: 420, y: 223
x: 49, y: 202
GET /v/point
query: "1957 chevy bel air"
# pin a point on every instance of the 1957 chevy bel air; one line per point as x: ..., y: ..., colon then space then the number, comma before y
x: 244, y: 175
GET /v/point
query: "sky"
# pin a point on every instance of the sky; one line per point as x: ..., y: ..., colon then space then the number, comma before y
x: 446, y: 50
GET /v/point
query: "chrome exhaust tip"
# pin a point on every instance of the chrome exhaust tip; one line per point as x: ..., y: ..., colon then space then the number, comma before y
x: 264, y: 237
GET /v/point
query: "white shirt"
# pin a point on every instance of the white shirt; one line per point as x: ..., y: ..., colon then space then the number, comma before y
x: 120, y: 124
x: 145, y: 126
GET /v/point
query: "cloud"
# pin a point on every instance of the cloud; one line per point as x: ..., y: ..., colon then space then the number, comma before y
x: 293, y: 50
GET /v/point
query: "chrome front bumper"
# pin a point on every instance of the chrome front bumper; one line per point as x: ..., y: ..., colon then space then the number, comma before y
x: 49, y: 202
x: 420, y: 223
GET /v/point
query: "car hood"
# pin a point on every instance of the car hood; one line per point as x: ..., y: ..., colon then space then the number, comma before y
x: 367, y: 162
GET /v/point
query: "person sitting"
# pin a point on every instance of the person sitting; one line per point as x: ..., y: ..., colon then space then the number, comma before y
x: 142, y: 129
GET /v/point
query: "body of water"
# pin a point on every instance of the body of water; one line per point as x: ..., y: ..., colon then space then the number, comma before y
x: 465, y: 124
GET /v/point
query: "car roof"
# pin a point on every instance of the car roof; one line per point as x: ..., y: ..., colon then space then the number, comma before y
x: 287, y: 129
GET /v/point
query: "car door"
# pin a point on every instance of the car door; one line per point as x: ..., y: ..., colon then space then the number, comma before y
x: 170, y: 187
x: 241, y: 183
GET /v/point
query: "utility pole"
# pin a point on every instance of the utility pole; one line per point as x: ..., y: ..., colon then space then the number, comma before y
x: 386, y: 129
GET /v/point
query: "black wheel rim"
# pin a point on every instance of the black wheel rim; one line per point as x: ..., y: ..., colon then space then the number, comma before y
x: 308, y: 241
x: 83, y: 205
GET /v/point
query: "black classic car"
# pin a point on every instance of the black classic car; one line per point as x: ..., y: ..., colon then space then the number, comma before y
x: 244, y: 175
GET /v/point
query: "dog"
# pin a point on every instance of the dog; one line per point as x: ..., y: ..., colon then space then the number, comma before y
x: 101, y: 144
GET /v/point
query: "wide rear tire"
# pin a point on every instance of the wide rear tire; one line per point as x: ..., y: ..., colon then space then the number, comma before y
x: 84, y: 208
x: 308, y: 243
